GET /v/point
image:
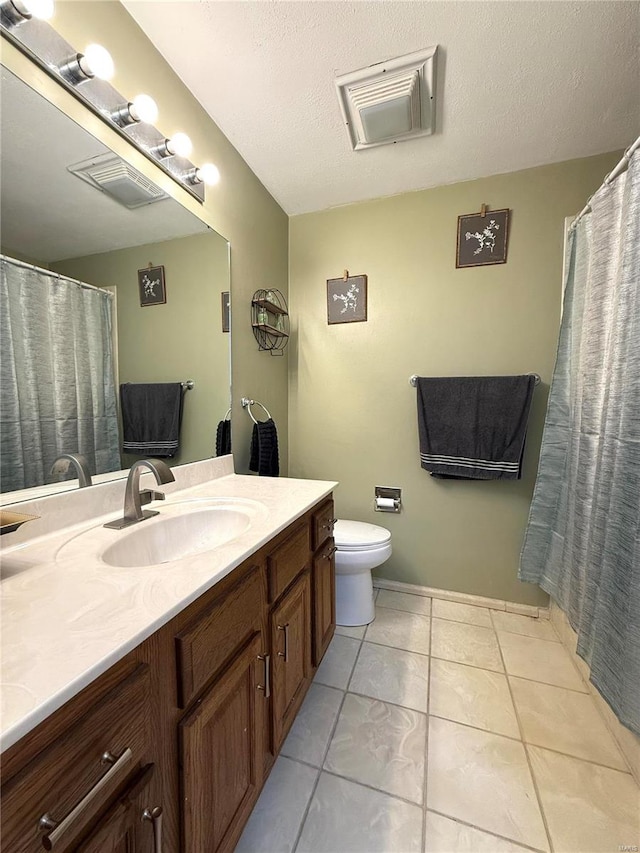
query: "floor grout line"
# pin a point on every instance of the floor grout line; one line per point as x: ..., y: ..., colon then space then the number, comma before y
x: 486, y: 831
x: 324, y: 755
x: 527, y: 756
x: 426, y: 748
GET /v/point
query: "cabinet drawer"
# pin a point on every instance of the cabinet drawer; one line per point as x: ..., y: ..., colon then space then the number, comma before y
x: 215, y: 635
x: 288, y: 560
x: 322, y: 524
x: 70, y: 781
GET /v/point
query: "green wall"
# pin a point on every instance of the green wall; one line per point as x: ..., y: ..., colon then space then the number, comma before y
x: 352, y: 412
x: 179, y: 340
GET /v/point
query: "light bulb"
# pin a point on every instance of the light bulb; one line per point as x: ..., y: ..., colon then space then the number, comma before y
x: 144, y: 108
x: 97, y: 62
x: 179, y: 144
x: 208, y: 174
x: 42, y: 9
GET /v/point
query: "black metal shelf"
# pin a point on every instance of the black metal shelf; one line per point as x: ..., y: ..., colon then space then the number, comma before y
x: 270, y: 306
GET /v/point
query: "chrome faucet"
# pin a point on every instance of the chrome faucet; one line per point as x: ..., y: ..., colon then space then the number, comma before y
x: 80, y: 464
x: 134, y: 498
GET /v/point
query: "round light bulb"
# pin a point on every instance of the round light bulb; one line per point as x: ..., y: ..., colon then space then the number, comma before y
x: 97, y: 62
x: 144, y: 108
x: 208, y: 174
x: 42, y: 9
x: 180, y: 144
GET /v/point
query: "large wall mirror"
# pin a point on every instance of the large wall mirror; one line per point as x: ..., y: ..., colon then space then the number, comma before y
x: 59, y: 228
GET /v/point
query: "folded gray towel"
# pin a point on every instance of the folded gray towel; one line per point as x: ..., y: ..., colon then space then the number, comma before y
x: 151, y: 418
x: 473, y: 427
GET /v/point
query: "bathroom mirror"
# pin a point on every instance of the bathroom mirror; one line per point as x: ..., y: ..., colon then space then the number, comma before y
x: 57, y: 221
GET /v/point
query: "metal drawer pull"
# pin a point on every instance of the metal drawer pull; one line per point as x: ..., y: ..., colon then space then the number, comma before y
x: 267, y: 675
x: 155, y: 816
x: 57, y: 829
x: 329, y: 524
x: 285, y: 653
x: 331, y: 552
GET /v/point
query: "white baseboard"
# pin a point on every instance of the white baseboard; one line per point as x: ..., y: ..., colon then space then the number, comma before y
x: 463, y: 598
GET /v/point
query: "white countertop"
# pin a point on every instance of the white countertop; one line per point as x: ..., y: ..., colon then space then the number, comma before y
x: 67, y: 617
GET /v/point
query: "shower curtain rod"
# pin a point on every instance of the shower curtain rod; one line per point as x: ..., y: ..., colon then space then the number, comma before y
x: 609, y: 179
x: 53, y: 274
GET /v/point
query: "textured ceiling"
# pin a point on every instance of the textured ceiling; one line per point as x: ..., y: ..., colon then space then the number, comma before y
x: 520, y: 84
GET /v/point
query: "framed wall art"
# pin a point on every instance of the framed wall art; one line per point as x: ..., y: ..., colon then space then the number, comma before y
x: 152, y: 286
x: 482, y: 238
x: 347, y: 299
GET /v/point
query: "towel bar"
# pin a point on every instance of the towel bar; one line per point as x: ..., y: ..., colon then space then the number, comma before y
x: 413, y: 380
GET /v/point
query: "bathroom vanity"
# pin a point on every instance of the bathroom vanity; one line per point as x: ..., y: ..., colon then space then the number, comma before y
x: 159, y: 733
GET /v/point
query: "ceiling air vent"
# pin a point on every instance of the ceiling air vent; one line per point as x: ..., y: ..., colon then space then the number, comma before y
x: 391, y: 101
x: 119, y: 180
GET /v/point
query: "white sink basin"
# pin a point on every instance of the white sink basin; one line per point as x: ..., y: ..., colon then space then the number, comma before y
x: 173, y: 537
x: 182, y: 529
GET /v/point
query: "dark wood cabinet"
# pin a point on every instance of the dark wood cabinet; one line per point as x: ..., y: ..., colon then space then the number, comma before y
x: 167, y: 751
x: 324, y: 599
x: 221, y: 754
x: 133, y: 824
x: 290, y: 655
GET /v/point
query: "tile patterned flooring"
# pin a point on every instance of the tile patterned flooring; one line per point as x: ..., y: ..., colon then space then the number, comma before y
x: 446, y: 727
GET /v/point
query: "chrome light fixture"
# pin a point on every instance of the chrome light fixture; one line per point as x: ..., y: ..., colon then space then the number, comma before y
x: 96, y: 61
x: 142, y: 108
x: 15, y: 12
x: 85, y: 76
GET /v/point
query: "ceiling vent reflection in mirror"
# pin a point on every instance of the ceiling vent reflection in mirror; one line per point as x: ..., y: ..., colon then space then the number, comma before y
x: 118, y: 179
x: 85, y: 75
x: 390, y: 101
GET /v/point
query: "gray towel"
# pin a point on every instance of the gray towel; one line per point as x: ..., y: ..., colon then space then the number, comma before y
x: 473, y: 427
x: 151, y: 418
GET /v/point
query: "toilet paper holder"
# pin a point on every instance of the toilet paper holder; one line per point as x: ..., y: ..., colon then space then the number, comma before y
x: 388, y: 499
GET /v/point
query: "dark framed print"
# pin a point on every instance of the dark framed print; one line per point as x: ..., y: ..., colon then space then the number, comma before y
x: 225, y: 297
x: 482, y: 240
x: 152, y: 286
x: 347, y: 299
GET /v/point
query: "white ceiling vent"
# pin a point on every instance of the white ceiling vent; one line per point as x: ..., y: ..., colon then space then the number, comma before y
x: 119, y: 180
x: 391, y: 101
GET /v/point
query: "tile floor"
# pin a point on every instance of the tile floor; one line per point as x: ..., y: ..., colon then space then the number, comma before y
x: 446, y: 727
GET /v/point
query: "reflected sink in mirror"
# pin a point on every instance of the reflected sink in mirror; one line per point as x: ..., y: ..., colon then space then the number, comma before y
x: 182, y: 529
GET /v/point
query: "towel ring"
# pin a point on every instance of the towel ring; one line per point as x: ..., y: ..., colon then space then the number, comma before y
x: 247, y: 403
x: 226, y: 417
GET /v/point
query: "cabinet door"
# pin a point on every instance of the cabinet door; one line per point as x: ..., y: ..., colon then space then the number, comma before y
x: 133, y: 824
x: 291, y: 655
x: 324, y: 600
x: 222, y: 754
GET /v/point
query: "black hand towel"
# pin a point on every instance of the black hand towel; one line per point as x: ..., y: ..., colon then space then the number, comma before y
x: 151, y: 418
x: 223, y: 438
x: 264, y: 449
x: 473, y: 427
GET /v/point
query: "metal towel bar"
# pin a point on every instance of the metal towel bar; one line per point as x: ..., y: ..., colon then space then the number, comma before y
x: 414, y: 379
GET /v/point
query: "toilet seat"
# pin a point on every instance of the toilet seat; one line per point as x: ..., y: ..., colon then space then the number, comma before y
x: 360, y: 536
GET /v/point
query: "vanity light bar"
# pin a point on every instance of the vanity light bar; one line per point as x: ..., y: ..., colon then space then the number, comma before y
x: 85, y: 76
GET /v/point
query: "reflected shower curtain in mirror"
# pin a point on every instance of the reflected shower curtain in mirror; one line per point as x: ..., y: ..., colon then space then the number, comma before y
x: 57, y: 385
x: 582, y: 543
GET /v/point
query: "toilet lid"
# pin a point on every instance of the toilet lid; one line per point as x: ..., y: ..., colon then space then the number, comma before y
x: 357, y: 535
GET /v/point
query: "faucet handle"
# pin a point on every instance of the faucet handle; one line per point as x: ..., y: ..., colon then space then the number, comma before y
x: 148, y: 495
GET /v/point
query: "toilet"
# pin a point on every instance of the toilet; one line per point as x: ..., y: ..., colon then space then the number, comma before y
x: 360, y: 547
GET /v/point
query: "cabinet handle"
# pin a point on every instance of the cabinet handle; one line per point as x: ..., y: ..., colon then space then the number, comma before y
x: 329, y: 524
x: 267, y: 675
x: 331, y: 552
x: 57, y: 829
x: 285, y: 653
x: 155, y: 816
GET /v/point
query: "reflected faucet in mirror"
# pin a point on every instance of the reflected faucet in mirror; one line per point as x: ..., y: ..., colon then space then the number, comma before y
x: 78, y: 461
x: 134, y: 498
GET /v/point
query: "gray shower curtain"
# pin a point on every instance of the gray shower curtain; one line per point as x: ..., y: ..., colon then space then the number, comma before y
x: 57, y: 385
x: 582, y: 543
